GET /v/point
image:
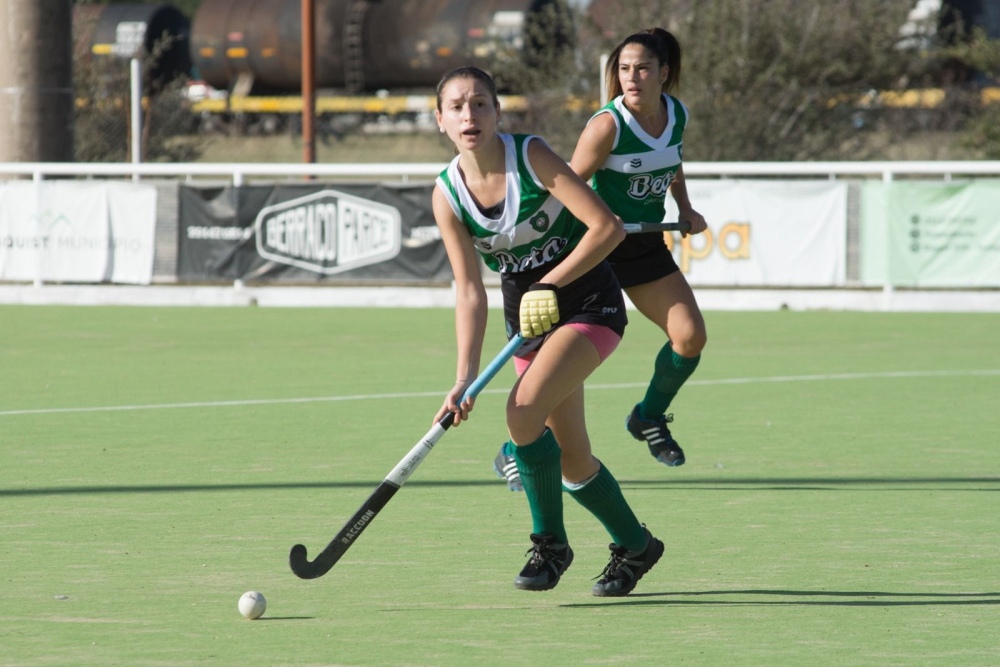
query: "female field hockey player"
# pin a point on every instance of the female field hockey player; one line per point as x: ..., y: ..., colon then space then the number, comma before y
x: 631, y: 153
x: 512, y: 201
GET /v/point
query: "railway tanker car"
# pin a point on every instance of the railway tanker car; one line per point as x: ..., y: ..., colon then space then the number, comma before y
x: 373, y: 57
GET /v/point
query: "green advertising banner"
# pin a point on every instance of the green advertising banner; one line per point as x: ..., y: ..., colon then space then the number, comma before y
x: 931, y: 234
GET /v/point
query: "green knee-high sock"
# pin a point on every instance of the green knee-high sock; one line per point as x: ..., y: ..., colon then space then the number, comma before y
x: 670, y: 371
x: 603, y: 498
x: 541, y: 475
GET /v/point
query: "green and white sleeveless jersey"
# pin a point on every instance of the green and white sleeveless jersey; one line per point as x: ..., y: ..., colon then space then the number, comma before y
x: 534, y: 229
x: 635, y: 177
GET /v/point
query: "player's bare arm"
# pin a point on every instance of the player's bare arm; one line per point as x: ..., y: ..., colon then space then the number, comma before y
x: 686, y: 213
x: 470, y: 305
x: 604, y: 228
x: 594, y: 145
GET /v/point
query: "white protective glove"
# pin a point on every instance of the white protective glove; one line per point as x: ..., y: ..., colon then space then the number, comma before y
x: 539, y: 310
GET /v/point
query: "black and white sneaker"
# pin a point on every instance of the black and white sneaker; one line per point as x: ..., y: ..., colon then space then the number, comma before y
x: 549, y: 559
x: 505, y: 467
x: 656, y: 435
x: 626, y: 567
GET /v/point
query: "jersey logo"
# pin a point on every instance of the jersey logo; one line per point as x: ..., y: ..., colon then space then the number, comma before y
x: 635, y: 163
x: 508, y: 263
x: 644, y: 185
x: 540, y: 222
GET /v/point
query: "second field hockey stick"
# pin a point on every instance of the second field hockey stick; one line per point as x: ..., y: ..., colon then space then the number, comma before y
x: 342, y: 541
x: 647, y: 227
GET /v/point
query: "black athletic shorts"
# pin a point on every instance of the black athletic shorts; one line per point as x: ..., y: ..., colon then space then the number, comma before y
x: 593, y: 298
x: 641, y: 259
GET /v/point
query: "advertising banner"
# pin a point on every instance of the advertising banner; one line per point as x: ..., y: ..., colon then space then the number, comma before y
x: 62, y: 231
x: 132, y: 219
x: 765, y: 234
x: 53, y: 231
x: 321, y: 233
x: 918, y: 234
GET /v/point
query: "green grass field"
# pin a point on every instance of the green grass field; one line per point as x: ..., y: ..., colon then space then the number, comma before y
x: 839, y: 505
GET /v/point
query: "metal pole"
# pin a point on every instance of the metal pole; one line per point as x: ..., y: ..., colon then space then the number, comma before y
x: 308, y: 82
x: 42, y: 248
x: 600, y: 77
x: 136, y: 78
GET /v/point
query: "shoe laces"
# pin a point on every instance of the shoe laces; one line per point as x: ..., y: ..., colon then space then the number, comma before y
x: 541, y: 554
x: 616, y: 564
x: 658, y: 423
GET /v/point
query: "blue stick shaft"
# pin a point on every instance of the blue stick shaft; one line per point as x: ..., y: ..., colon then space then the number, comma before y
x: 494, y: 367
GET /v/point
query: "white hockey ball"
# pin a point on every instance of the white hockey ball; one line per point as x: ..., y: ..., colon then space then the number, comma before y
x: 252, y: 605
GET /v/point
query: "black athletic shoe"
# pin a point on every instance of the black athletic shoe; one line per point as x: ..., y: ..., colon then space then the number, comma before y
x: 549, y: 559
x: 657, y: 436
x: 506, y: 468
x: 626, y: 568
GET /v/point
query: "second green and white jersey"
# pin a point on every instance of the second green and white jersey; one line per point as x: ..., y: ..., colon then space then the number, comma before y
x: 636, y: 176
x: 534, y: 228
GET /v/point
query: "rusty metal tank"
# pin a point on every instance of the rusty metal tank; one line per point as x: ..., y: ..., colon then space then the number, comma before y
x: 133, y: 30
x: 361, y: 45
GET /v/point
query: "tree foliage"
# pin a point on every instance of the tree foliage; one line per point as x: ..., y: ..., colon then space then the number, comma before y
x: 544, y: 72
x: 975, y: 54
x: 103, y: 113
x: 780, y: 79
x: 773, y: 79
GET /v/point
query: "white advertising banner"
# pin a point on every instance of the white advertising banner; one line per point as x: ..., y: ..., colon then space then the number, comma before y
x: 132, y: 215
x: 60, y: 231
x: 765, y: 234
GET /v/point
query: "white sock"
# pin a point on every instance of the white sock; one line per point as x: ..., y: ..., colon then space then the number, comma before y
x: 576, y: 486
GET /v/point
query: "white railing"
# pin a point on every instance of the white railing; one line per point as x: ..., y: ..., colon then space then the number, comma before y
x: 232, y: 171
x: 887, y: 171
x: 405, y: 171
x: 239, y: 173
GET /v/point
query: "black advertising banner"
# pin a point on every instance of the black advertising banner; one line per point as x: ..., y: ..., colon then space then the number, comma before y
x: 310, y: 233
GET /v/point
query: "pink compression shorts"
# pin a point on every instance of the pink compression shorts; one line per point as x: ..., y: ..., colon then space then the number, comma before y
x: 603, y: 338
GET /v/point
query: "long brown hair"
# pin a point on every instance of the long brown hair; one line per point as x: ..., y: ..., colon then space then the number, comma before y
x: 661, y: 43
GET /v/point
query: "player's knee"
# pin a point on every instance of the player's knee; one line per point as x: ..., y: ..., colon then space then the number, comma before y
x: 698, y: 340
x: 690, y: 341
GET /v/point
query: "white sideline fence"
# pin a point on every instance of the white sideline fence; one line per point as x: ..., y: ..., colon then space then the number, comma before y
x: 168, y: 176
x: 236, y: 173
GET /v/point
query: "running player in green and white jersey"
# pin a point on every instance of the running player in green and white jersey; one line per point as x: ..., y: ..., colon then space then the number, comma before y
x: 512, y: 201
x: 631, y: 150
x: 529, y: 235
x: 634, y: 178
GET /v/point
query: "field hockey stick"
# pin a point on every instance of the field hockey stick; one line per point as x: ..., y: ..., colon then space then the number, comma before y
x: 647, y: 227
x: 299, y: 561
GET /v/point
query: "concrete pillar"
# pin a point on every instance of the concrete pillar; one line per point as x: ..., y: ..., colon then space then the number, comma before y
x: 36, y: 81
